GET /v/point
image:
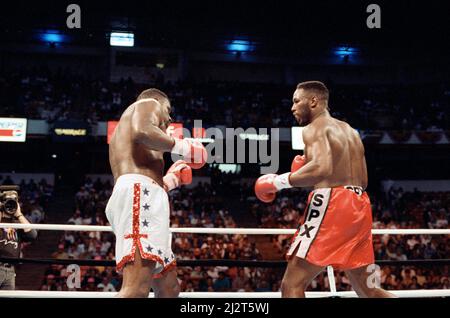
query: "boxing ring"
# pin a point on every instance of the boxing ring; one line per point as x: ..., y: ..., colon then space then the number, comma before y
x: 218, y: 231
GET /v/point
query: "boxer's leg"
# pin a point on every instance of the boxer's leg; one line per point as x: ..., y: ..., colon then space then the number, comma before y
x: 137, y: 277
x: 361, y: 283
x: 299, y: 274
x: 167, y: 285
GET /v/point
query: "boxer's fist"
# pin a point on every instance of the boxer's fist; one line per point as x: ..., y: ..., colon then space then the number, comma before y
x: 178, y: 174
x: 265, y: 188
x: 193, y: 152
x: 297, y: 163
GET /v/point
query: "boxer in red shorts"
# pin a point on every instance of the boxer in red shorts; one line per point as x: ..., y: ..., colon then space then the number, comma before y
x: 336, y: 227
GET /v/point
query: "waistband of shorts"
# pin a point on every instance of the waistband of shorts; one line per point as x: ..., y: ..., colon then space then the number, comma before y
x: 356, y: 189
x: 131, y: 178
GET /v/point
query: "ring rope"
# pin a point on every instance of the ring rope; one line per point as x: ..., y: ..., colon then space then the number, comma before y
x: 208, y: 262
x: 257, y: 231
x: 80, y: 294
x: 201, y: 230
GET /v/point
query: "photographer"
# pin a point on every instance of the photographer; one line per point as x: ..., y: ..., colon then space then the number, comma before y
x: 10, y: 239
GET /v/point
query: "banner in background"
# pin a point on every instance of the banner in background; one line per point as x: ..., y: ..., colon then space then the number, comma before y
x: 297, y: 138
x: 70, y: 131
x: 112, y: 124
x: 13, y: 129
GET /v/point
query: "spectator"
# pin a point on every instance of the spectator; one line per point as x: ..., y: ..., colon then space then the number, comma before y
x: 222, y: 283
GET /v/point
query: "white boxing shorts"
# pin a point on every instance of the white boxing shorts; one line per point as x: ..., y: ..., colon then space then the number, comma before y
x: 139, y: 214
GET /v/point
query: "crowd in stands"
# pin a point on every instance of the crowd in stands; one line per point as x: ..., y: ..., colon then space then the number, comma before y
x: 60, y: 95
x: 200, y: 206
x: 90, y: 203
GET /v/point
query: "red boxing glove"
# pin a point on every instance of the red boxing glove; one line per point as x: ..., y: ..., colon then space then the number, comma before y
x: 266, y: 186
x: 265, y: 189
x: 178, y: 174
x: 297, y: 163
x: 193, y: 152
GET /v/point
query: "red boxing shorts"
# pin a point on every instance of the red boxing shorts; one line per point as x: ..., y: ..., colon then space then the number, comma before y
x: 336, y: 229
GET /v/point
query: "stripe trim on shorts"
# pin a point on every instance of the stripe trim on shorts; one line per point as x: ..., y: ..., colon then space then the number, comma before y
x: 313, y: 220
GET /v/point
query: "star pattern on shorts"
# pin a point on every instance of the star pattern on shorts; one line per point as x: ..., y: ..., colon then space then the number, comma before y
x: 145, y: 191
x: 149, y: 248
x: 166, y: 260
x: 145, y: 223
x: 146, y: 207
x: 160, y: 252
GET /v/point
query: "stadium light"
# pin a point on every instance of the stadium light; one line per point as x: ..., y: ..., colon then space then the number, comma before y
x: 52, y: 36
x: 240, y: 46
x: 345, y: 51
x: 121, y: 39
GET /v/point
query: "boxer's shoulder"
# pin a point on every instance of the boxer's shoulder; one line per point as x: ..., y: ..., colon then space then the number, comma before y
x: 318, y: 128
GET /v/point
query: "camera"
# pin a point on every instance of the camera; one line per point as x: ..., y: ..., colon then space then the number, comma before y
x: 9, y: 199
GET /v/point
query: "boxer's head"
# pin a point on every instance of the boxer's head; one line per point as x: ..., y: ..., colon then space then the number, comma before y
x: 155, y: 93
x: 162, y: 98
x: 309, y: 99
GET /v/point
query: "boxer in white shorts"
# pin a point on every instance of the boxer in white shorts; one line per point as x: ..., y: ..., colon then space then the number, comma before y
x: 138, y: 209
x: 139, y: 212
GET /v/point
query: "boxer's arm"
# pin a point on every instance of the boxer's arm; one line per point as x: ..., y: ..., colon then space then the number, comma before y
x: 320, y: 164
x: 365, y: 178
x: 145, y: 123
x: 364, y: 164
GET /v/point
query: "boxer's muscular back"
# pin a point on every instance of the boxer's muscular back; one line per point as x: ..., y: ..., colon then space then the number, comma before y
x: 347, y: 152
x: 126, y: 156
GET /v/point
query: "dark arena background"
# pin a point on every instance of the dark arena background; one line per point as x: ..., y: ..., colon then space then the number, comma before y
x: 67, y: 74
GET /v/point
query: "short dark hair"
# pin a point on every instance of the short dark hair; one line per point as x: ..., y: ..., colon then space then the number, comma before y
x: 153, y: 93
x: 317, y: 87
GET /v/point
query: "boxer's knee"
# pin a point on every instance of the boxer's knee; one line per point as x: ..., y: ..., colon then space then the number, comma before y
x: 167, y: 287
x: 168, y: 292
x: 375, y: 293
x: 176, y: 290
x: 289, y: 285
x: 172, y: 291
x: 136, y: 281
x: 290, y: 290
x: 135, y: 292
x: 296, y: 276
